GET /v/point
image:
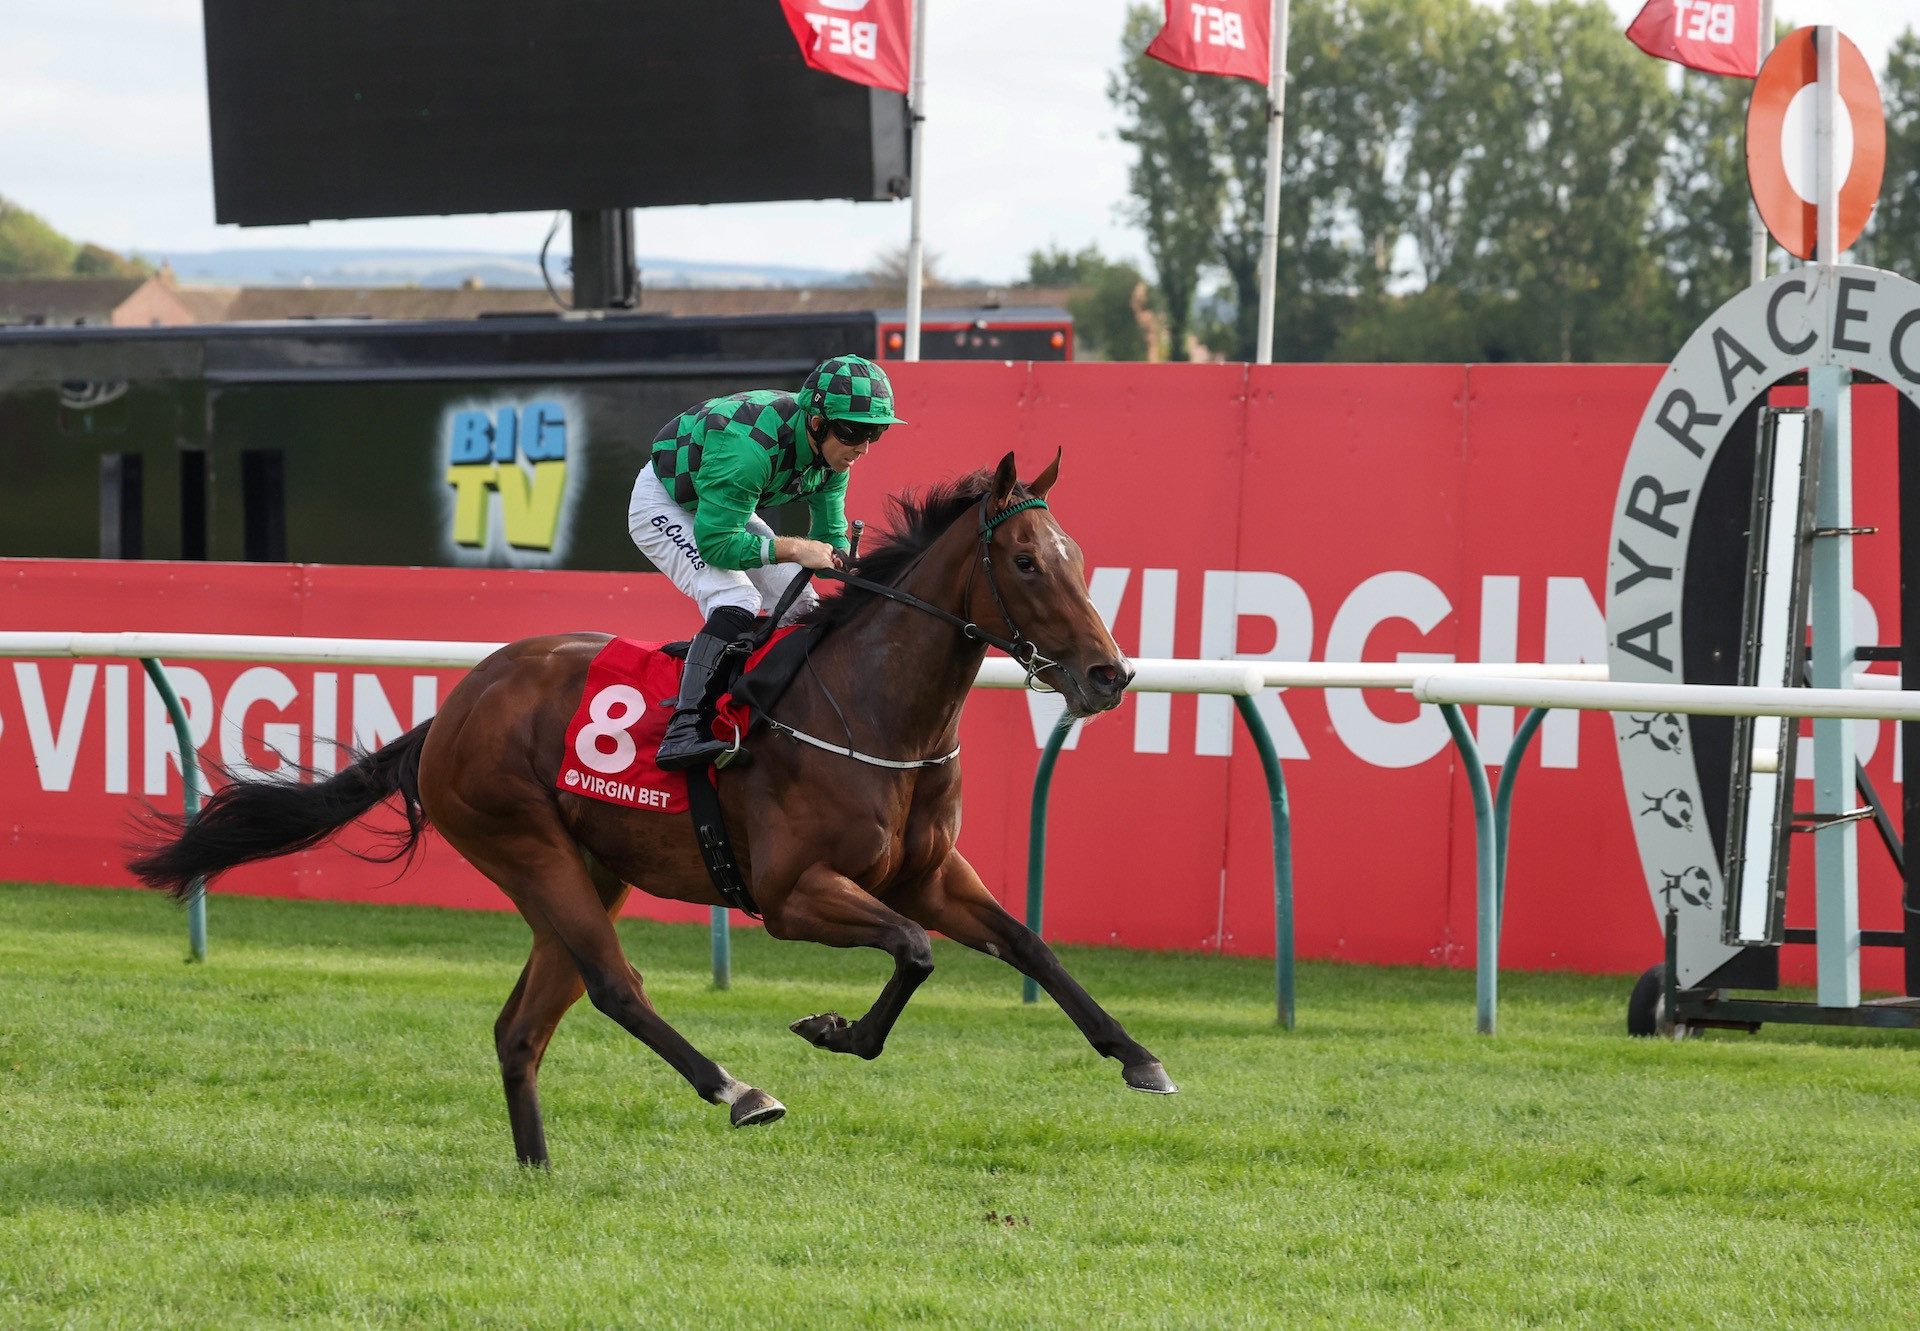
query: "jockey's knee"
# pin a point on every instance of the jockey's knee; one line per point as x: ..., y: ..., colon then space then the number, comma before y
x: 805, y: 601
x: 744, y: 598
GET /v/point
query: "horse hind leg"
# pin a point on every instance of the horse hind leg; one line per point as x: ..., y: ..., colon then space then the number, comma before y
x: 553, y: 887
x: 548, y: 986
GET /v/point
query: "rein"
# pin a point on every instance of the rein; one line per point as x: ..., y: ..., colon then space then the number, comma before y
x: 1022, y: 649
x: 1018, y: 646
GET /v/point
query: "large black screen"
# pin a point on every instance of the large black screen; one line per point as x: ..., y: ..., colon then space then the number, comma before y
x: 402, y: 108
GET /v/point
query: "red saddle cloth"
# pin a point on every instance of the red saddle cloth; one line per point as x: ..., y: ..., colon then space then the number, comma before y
x: 624, y: 708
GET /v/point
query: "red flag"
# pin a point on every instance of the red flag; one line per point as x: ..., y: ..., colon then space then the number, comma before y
x: 865, y: 41
x: 1713, y: 36
x: 1228, y: 37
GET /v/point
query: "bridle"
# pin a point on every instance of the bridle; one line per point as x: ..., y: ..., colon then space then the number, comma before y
x: 1021, y: 648
x: 1016, y: 645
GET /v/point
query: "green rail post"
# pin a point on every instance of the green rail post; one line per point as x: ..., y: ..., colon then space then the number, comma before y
x: 1503, y: 806
x: 722, y: 949
x: 1037, y: 842
x: 190, y: 788
x: 1283, y: 960
x: 1486, y: 864
x: 1282, y: 858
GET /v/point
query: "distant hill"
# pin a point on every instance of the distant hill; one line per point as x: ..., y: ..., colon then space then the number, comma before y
x: 450, y: 268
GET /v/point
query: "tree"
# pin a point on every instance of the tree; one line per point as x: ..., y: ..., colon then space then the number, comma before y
x: 98, y: 261
x: 1106, y: 315
x: 1433, y: 324
x: 1385, y: 103
x: 890, y: 268
x: 1576, y: 126
x: 1176, y: 189
x: 29, y: 247
x: 1892, y: 240
x: 1329, y: 161
x: 1459, y: 180
x: 1704, y: 227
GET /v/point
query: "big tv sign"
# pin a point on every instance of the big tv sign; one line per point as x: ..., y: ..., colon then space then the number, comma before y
x: 509, y: 482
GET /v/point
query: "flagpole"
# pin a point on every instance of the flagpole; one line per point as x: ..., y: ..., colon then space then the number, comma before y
x: 1757, y: 272
x: 917, y: 109
x: 1270, y: 223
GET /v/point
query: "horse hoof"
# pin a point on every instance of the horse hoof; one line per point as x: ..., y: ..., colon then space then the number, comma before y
x: 1151, y: 1078
x: 756, y: 1106
x: 819, y: 1029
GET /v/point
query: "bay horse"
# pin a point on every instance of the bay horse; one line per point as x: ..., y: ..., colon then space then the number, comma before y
x: 835, y: 850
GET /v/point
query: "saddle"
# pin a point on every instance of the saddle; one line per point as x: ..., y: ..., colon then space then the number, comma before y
x: 625, y: 702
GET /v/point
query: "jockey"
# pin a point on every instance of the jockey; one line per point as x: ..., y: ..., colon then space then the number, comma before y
x: 692, y: 511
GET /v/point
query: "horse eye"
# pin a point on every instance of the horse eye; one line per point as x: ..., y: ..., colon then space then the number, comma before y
x: 1025, y: 563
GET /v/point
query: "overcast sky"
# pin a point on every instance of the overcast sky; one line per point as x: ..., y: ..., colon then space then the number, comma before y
x: 103, y: 131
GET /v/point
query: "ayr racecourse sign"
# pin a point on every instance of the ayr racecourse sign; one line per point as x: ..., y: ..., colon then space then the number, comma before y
x: 1854, y: 319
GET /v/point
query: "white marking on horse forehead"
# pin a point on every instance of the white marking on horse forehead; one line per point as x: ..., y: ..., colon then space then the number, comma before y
x: 1062, y: 548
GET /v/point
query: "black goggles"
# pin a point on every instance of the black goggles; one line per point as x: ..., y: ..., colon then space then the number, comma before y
x: 855, y: 432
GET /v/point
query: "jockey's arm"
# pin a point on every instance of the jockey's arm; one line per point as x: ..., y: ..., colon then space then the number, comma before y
x: 732, y: 478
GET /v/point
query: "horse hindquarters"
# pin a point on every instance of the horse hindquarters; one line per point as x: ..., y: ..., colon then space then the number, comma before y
x: 485, y: 789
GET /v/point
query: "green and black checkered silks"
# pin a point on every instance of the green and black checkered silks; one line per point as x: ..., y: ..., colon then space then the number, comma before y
x: 771, y: 419
x: 849, y: 388
x: 733, y: 455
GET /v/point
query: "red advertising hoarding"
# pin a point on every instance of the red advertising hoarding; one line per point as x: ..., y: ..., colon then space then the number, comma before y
x: 1294, y: 512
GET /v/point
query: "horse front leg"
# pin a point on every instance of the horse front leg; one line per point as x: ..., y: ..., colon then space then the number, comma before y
x: 954, y: 901
x: 826, y: 907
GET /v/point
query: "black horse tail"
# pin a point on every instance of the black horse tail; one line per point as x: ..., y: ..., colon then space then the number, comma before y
x: 258, y: 819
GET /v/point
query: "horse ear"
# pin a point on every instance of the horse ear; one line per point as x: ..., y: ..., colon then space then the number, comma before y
x: 1042, y: 483
x: 1005, y: 477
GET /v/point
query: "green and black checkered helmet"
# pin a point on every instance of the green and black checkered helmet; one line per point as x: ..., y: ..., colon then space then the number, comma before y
x: 849, y: 388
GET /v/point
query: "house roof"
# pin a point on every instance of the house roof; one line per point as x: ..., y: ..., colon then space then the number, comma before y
x: 209, y: 304
x: 65, y: 300
x: 250, y: 304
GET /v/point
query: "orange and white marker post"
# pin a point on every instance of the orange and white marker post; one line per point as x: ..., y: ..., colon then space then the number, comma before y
x: 1816, y: 143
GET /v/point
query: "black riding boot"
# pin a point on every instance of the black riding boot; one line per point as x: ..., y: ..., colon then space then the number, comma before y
x: 687, y: 743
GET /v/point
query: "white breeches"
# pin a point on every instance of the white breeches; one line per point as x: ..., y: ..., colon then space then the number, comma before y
x: 664, y: 532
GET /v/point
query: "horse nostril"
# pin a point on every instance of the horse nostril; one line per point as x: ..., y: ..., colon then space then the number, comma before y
x: 1109, y: 680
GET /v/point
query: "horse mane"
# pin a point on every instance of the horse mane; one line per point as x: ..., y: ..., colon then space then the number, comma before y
x: 919, y: 519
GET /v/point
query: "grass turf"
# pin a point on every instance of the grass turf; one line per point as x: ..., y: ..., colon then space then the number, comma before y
x: 309, y: 1129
